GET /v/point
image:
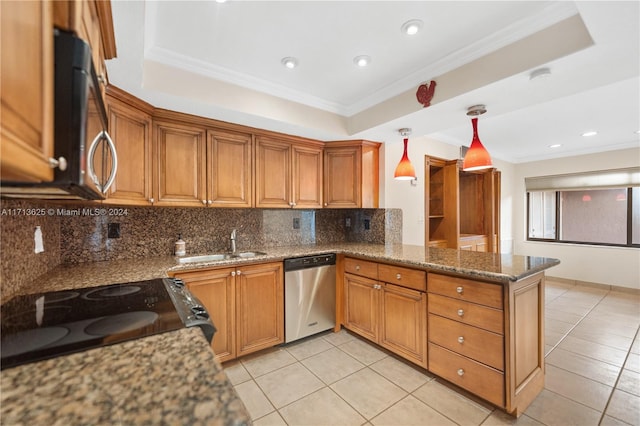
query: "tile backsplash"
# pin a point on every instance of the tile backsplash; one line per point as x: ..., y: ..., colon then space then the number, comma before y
x: 73, y: 235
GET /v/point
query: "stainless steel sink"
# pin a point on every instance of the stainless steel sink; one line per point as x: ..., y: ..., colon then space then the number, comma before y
x: 249, y: 254
x: 204, y: 258
x: 220, y: 256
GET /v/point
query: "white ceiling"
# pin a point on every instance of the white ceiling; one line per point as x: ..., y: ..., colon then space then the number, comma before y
x: 223, y: 61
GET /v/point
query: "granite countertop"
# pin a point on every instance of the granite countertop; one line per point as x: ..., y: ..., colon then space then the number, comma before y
x: 173, y: 378
x: 503, y: 268
x: 168, y: 378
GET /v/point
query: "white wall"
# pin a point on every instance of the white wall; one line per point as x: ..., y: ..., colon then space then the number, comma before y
x: 402, y: 195
x: 605, y: 265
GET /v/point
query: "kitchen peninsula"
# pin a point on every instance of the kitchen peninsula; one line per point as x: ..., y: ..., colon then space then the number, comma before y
x: 519, y: 280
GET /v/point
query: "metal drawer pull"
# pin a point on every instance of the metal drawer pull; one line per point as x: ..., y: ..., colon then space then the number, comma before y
x: 459, y: 290
x: 398, y: 276
x: 357, y: 267
x: 460, y: 372
x: 460, y: 312
x: 460, y: 339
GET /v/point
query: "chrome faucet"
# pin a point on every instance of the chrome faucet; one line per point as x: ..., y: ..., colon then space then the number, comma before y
x: 233, y: 241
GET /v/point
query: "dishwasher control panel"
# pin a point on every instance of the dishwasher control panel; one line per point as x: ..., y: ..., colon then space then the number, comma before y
x: 309, y: 262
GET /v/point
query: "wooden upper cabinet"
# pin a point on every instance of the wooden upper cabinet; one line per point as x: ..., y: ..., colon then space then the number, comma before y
x: 273, y: 173
x: 229, y: 166
x: 179, y: 165
x: 351, y: 174
x: 26, y: 79
x: 307, y: 177
x: 288, y: 174
x: 130, y: 129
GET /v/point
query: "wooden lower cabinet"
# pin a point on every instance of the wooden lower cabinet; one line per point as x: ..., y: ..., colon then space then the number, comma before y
x: 246, y: 305
x: 485, y: 337
x: 390, y: 315
x: 362, y: 306
x: 216, y: 290
x: 260, y: 307
x: 488, y: 338
x: 403, y: 327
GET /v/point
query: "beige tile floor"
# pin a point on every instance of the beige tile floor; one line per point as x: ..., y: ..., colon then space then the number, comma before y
x: 593, y: 375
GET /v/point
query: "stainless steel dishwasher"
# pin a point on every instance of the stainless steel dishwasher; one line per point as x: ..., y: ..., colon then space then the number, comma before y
x: 309, y: 295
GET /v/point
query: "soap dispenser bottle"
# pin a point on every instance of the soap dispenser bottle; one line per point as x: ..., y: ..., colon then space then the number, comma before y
x: 180, y: 247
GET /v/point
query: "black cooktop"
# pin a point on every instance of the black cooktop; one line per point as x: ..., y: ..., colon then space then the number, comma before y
x: 45, y: 325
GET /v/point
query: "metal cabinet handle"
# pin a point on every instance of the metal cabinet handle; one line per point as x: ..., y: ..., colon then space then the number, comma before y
x: 60, y: 163
x: 398, y: 276
x: 204, y: 202
x: 460, y: 339
x: 239, y: 272
x: 325, y: 204
x: 357, y: 267
x: 460, y: 290
x: 233, y: 273
x: 460, y: 372
x: 209, y: 202
x: 151, y: 200
x: 460, y: 312
x: 102, y: 80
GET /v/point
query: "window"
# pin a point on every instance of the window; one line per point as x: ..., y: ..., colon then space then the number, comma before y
x: 601, y: 208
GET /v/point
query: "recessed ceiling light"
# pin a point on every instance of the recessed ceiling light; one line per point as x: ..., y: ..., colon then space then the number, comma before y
x: 221, y: 1
x: 412, y: 27
x: 289, y: 62
x: 590, y: 133
x: 362, y: 60
x: 540, y: 73
x: 637, y: 132
x: 555, y: 145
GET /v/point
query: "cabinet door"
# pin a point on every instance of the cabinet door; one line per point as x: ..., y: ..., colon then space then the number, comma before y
x: 229, y: 167
x: 342, y: 177
x: 273, y: 173
x: 403, y: 325
x: 130, y: 130
x: 179, y: 165
x: 26, y: 98
x: 214, y: 288
x: 362, y: 306
x: 307, y: 177
x: 260, y: 307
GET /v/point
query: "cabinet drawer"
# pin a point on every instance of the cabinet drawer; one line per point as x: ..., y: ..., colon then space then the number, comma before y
x: 481, y: 345
x: 469, y: 290
x: 361, y: 267
x: 477, y: 378
x: 411, y: 278
x: 468, y: 313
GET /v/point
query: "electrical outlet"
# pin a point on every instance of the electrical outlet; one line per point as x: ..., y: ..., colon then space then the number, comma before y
x: 367, y: 224
x: 113, y: 230
x: 347, y: 222
x: 296, y: 223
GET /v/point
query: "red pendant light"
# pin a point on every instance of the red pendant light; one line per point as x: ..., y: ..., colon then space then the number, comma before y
x: 405, y: 170
x: 477, y: 157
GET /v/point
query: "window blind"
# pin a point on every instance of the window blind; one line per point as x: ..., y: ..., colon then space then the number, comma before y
x: 616, y: 178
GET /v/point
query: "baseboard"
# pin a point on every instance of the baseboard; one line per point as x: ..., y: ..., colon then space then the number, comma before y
x: 627, y: 290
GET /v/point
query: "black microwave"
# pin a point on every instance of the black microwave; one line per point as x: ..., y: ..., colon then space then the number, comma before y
x: 87, y: 159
